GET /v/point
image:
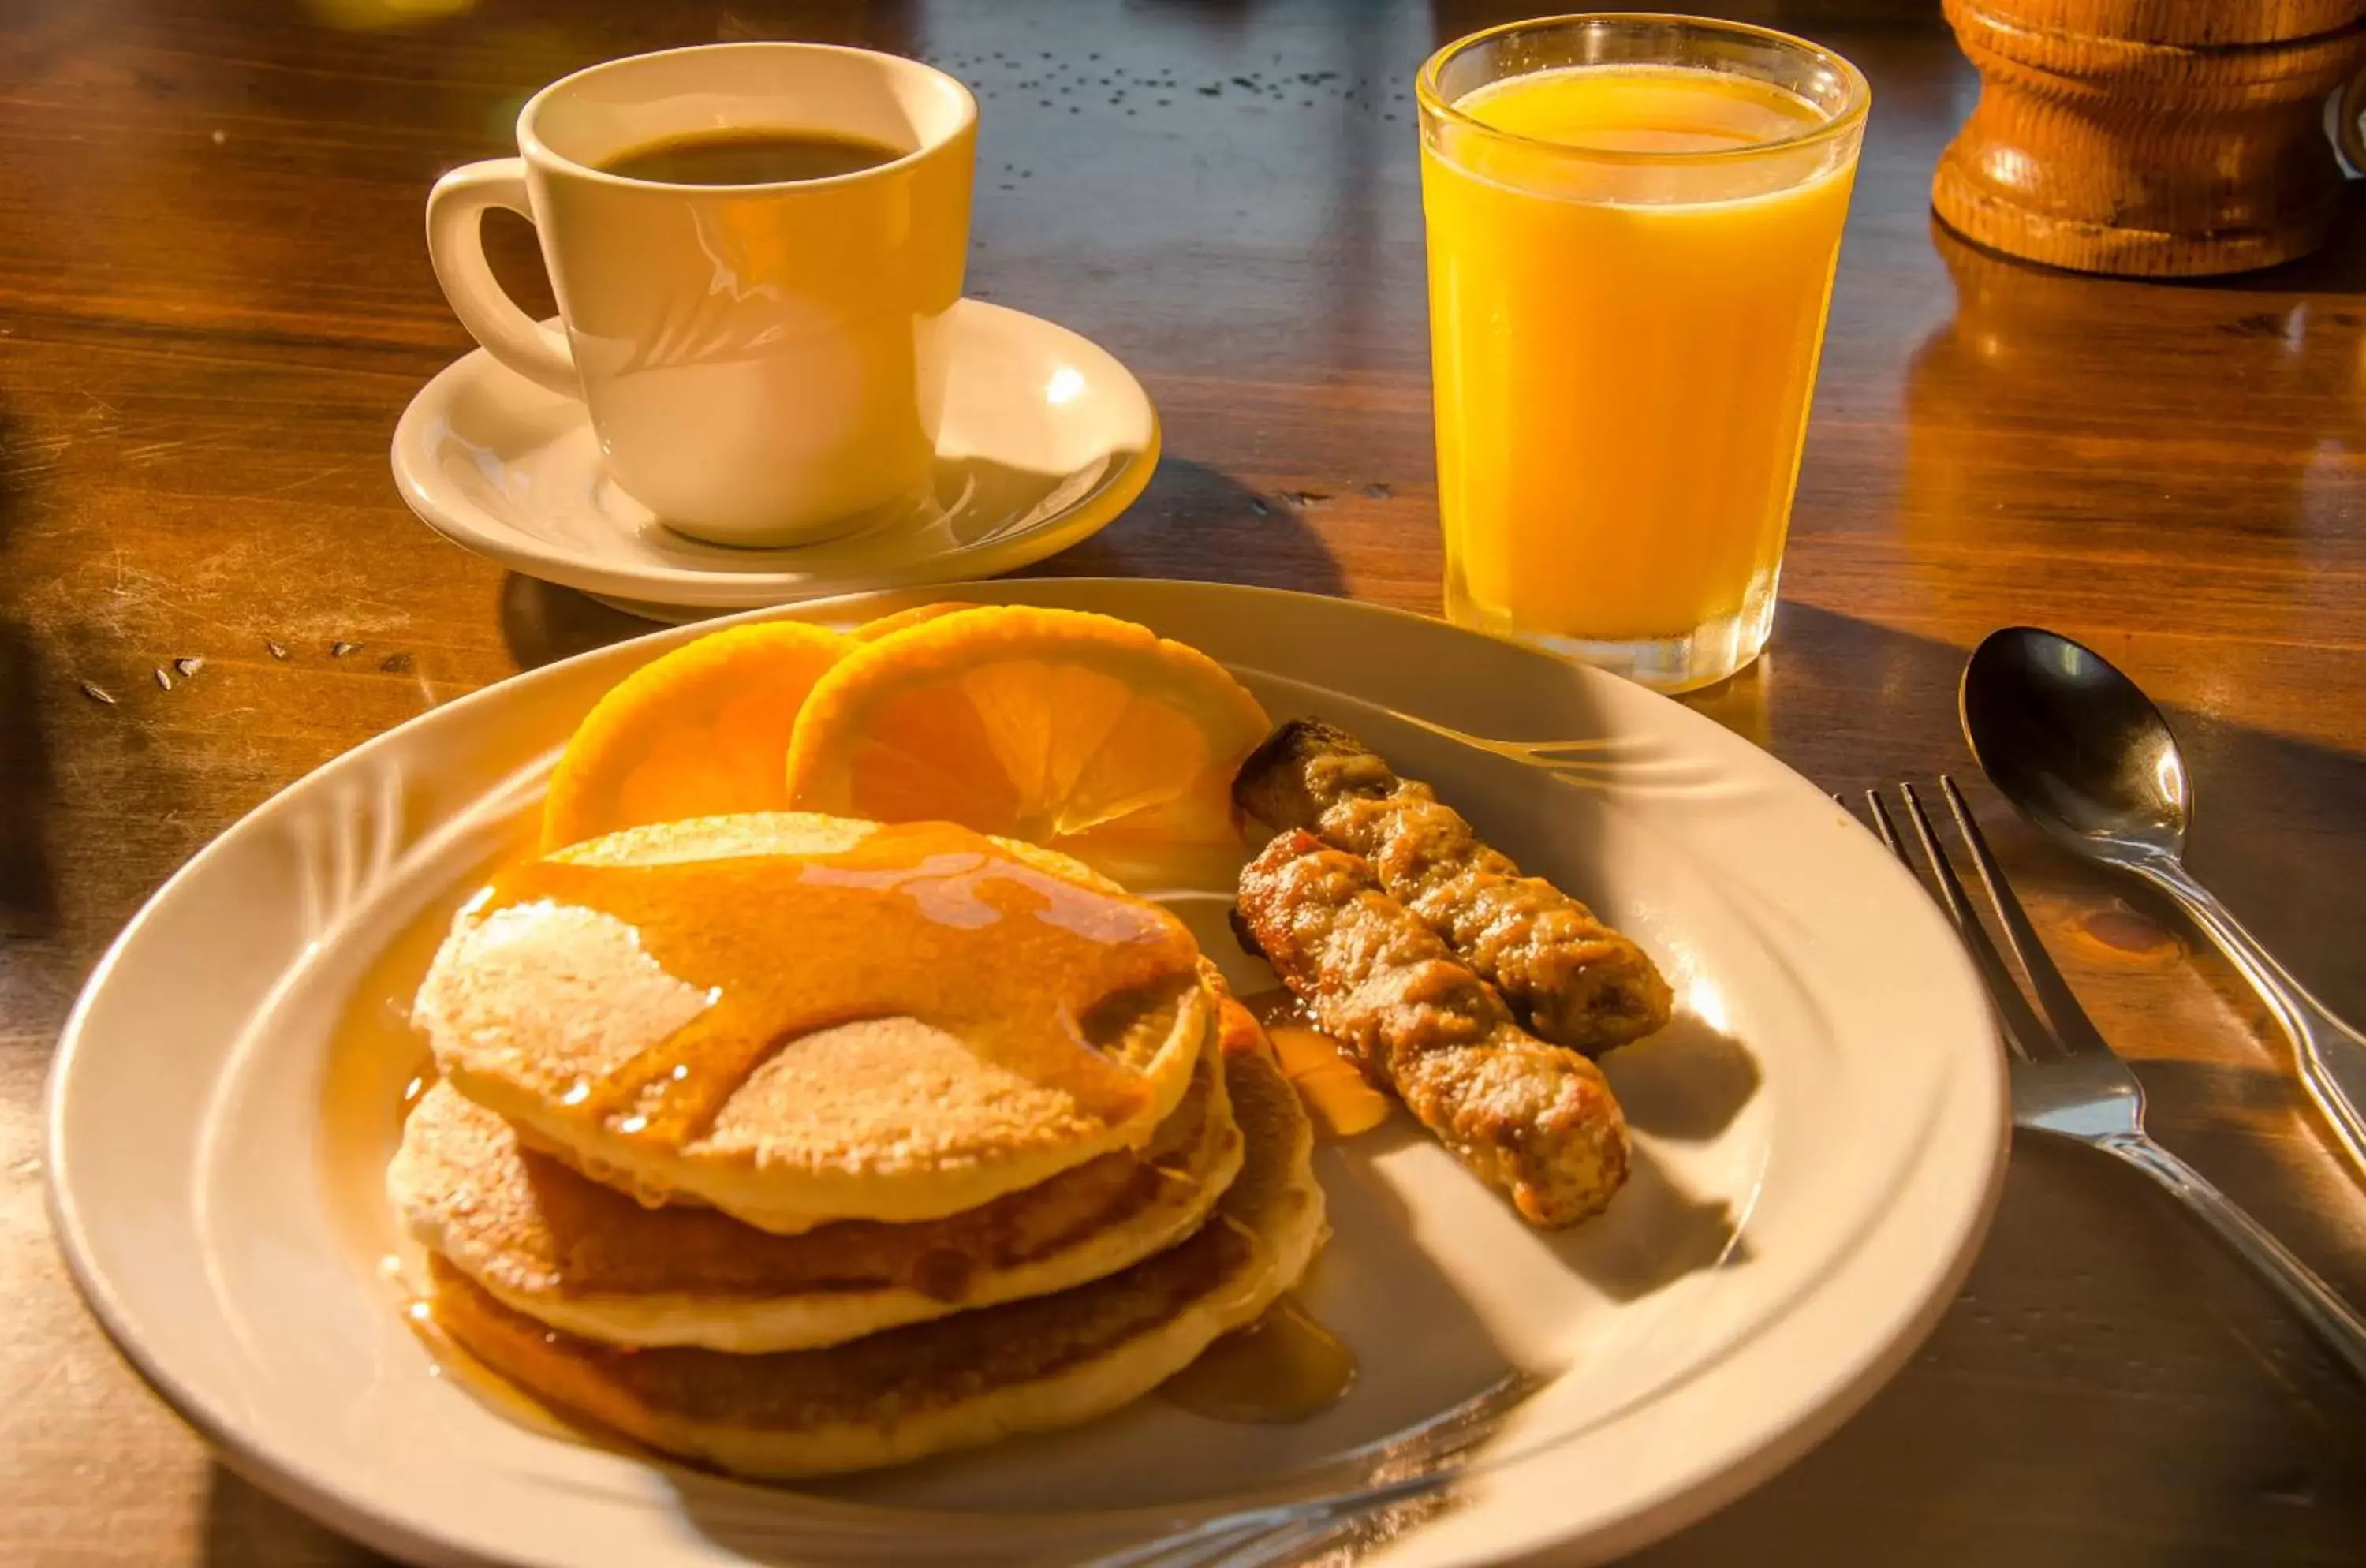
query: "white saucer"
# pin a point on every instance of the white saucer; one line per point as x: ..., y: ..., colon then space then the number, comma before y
x: 1045, y: 438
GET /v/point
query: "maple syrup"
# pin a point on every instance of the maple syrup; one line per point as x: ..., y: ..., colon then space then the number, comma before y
x: 1284, y: 1366
x: 925, y: 921
x: 1338, y: 1100
x: 451, y: 1362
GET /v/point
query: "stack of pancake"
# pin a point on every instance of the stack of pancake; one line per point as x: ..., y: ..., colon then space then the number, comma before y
x: 793, y: 1144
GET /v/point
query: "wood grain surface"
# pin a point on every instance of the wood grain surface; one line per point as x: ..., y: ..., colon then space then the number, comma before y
x: 214, y: 301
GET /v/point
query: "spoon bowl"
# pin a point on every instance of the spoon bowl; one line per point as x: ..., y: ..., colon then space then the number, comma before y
x: 2076, y: 745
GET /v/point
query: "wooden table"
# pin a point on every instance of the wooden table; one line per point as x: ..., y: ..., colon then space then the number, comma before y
x: 214, y: 301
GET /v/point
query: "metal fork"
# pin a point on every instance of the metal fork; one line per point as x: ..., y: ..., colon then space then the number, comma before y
x: 2068, y: 1083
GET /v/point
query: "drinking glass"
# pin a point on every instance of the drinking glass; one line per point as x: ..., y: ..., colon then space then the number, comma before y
x: 1633, y: 223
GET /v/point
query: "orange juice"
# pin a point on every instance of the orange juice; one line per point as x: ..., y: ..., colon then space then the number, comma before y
x: 1630, y: 266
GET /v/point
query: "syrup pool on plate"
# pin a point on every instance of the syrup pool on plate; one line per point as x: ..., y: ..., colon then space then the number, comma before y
x: 1284, y: 1366
x: 1337, y: 1097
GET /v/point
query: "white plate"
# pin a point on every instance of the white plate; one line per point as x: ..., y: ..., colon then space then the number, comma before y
x: 225, y: 1229
x: 1045, y: 438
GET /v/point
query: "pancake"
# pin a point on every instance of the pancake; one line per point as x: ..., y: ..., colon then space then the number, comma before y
x: 955, y: 1382
x: 579, y: 1256
x: 553, y: 1004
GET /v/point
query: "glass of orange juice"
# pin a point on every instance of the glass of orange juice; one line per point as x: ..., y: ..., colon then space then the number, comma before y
x: 1633, y: 222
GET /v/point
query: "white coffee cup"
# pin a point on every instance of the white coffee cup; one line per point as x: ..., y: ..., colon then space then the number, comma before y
x: 763, y: 364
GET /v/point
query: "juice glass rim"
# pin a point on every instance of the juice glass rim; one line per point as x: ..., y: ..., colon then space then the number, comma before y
x: 1431, y: 98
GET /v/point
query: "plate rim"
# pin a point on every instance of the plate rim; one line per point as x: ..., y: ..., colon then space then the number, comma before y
x: 476, y: 531
x: 1702, y: 1489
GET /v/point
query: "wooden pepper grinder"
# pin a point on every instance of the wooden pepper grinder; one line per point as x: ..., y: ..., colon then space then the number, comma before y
x: 2153, y: 138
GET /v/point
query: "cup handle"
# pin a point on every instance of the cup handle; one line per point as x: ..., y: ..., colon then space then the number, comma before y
x: 456, y: 245
x: 2349, y: 138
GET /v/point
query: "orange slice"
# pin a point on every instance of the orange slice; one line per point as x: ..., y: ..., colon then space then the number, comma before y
x: 919, y: 614
x: 1072, y: 730
x: 700, y: 732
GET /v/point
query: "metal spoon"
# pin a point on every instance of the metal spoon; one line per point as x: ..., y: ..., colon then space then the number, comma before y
x: 2085, y: 755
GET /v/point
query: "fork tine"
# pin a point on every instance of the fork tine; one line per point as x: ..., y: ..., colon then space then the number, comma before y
x: 2024, y: 1032
x: 1884, y: 828
x: 1951, y: 889
x: 2071, y: 1024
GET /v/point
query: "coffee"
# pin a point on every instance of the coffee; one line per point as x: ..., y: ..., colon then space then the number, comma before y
x: 750, y: 157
